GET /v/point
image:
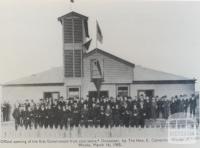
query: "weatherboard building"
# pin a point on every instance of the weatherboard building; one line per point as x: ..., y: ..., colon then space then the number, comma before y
x: 82, y: 69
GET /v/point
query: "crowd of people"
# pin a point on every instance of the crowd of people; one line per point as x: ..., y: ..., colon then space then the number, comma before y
x: 103, y: 112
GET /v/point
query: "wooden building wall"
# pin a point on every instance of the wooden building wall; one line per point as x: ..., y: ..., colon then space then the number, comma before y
x: 21, y: 93
x: 114, y: 72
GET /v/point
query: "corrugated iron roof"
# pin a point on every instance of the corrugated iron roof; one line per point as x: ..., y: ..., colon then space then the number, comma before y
x: 52, y: 76
x: 55, y: 76
x: 147, y: 74
x: 72, y: 14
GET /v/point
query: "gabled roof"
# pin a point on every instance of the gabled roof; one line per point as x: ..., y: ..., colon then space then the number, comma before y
x: 143, y: 75
x: 72, y: 14
x: 75, y: 14
x: 53, y: 76
x: 96, y: 50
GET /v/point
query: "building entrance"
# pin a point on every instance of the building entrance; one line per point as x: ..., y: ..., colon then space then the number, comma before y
x: 149, y: 93
x: 93, y: 94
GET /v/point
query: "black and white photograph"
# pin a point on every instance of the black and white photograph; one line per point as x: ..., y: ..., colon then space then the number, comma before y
x: 76, y: 69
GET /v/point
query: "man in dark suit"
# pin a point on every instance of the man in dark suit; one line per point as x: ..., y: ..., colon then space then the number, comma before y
x: 75, y: 115
x: 47, y: 113
x: 36, y: 115
x: 28, y: 115
x: 160, y: 108
x: 193, y: 105
x: 22, y: 115
x: 186, y: 104
x: 42, y: 116
x: 51, y: 116
x: 102, y: 116
x: 116, y: 115
x: 16, y: 116
x: 172, y: 105
x: 54, y: 117
x: 3, y: 109
x: 122, y: 114
x: 84, y: 116
x: 93, y: 115
x: 58, y: 116
x: 27, y: 104
x: 134, y: 116
x: 142, y: 115
x: 147, y: 106
x: 108, y: 116
x: 126, y: 118
x: 61, y: 102
x: 166, y: 107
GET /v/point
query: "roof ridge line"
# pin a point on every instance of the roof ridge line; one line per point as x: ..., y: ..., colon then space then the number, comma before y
x: 110, y: 55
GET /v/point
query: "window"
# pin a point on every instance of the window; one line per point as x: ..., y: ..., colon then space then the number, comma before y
x: 123, y: 91
x: 73, y: 92
x: 54, y: 95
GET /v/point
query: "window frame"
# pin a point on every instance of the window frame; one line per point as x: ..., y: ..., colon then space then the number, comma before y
x: 123, y: 85
x: 79, y: 92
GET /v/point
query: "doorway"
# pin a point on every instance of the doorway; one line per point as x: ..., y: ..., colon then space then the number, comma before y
x: 93, y: 94
x: 148, y: 93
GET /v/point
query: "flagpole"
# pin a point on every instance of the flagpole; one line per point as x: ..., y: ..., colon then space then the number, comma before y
x: 96, y: 35
x: 71, y: 5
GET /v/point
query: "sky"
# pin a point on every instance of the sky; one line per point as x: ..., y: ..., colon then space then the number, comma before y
x: 156, y: 34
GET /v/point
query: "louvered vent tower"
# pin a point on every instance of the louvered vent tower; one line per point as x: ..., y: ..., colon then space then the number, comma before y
x: 75, y: 32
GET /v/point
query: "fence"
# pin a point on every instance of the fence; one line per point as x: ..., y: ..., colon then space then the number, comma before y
x: 152, y: 128
x: 8, y: 131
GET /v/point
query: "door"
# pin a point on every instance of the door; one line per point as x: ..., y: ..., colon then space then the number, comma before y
x: 93, y: 94
x: 53, y: 95
x: 148, y: 92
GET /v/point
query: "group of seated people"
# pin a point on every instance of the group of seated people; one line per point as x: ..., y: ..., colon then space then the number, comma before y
x: 99, y: 112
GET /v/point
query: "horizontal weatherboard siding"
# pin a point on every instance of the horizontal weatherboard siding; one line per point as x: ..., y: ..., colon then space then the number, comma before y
x: 165, y: 82
x: 38, y: 84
